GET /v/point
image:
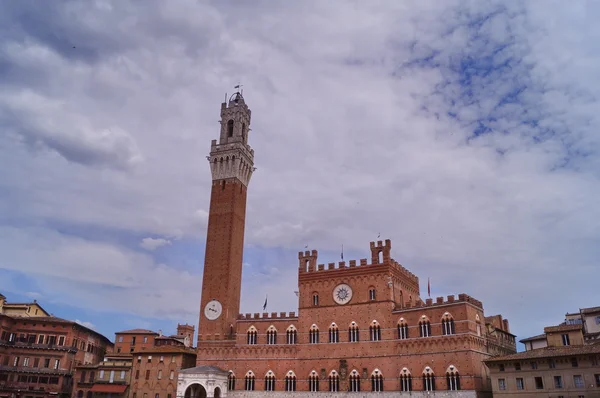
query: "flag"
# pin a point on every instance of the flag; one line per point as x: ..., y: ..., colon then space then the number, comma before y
x: 265, y: 305
x: 342, y: 252
x: 428, y: 288
x: 238, y: 86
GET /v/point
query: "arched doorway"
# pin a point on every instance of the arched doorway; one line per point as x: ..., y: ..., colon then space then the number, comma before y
x: 217, y: 392
x: 195, y: 391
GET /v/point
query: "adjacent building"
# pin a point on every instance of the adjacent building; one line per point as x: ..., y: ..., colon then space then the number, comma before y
x: 39, y: 352
x: 563, y: 362
x: 362, y: 326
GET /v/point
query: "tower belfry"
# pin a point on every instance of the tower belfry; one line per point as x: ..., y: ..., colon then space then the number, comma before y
x: 231, y: 164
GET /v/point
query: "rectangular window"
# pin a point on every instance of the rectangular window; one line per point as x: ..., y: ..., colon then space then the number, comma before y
x: 139, y: 359
x: 148, y: 374
x: 36, y: 362
x: 145, y: 339
x: 578, y: 381
x: 172, y: 375
x: 101, y: 375
x: 551, y: 364
x: 565, y: 339
x: 61, y: 340
x: 51, y: 340
x: 598, y: 320
x: 137, y: 374
x: 574, y: 362
x: 47, y: 362
x: 517, y: 366
x: 597, y: 377
x: 41, y: 339
x: 558, y: 383
x: 533, y: 365
x: 111, y: 376
x: 501, y: 384
x: 120, y: 339
x: 56, y: 363
x: 16, y: 362
x: 501, y: 366
x: 173, y: 359
x: 315, y: 300
x: 122, y: 375
x: 161, y: 359
x: 520, y: 384
x: 539, y: 383
x: 26, y: 362
x: 149, y: 358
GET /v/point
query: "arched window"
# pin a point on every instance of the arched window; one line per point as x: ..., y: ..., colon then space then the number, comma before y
x: 452, y: 378
x: 334, y: 333
x: 354, y: 381
x: 313, y: 334
x: 334, y: 381
x: 424, y: 327
x: 313, y: 381
x: 270, y: 381
x: 230, y: 128
x: 252, y: 333
x: 375, y: 331
x: 353, y: 336
x: 271, y: 335
x: 402, y: 329
x: 243, y: 131
x: 371, y: 294
x: 249, y: 381
x: 447, y: 324
x: 315, y: 299
x: 376, y: 381
x: 405, y: 380
x: 428, y: 379
x: 291, y: 335
x: 290, y: 381
x: 231, y: 381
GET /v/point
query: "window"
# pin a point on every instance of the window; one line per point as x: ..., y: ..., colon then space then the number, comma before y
x: 539, y: 383
x: 520, y: 385
x: 252, y: 335
x: 353, y: 335
x: 517, y: 366
x: 173, y: 359
x: 598, y: 320
x: 597, y: 377
x: 137, y: 374
x: 26, y: 362
x: 501, y: 367
x: 270, y: 381
x: 145, y: 339
x: 156, y: 395
x: 290, y: 381
x: 161, y: 359
x: 148, y: 374
x: 578, y: 381
x: 405, y: 380
x: 501, y: 384
x: 291, y: 335
x: 428, y: 380
x: 56, y: 363
x: 313, y: 381
x: 447, y: 325
x: 101, y: 375
x: 551, y: 364
x: 376, y: 381
x: 172, y: 375
x: 372, y: 294
x: 47, y: 362
x: 315, y: 299
x: 271, y: 335
x: 230, y: 128
x: 402, y: 330
x: 231, y: 381
x: 334, y: 381
x: 375, y: 331
x: 133, y: 340
x: 558, y: 383
x: 249, y: 381
x: 533, y: 365
x: 574, y: 363
x: 565, y: 339
x: 334, y: 333
x: 120, y: 339
x: 149, y: 358
x: 139, y: 359
x: 354, y: 381
x: 452, y: 379
x: 424, y: 327
x: 313, y: 334
x: 82, y: 377
x: 159, y: 375
x: 61, y: 340
x: 41, y: 339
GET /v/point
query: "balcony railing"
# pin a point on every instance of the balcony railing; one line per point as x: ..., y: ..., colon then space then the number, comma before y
x: 27, y: 344
x: 27, y: 369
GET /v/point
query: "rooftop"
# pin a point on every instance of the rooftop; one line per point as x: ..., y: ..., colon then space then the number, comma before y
x: 533, y: 338
x: 549, y: 352
x: 204, y: 369
x: 137, y: 331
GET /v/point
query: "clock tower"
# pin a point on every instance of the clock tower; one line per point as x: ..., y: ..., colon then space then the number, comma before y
x: 231, y: 164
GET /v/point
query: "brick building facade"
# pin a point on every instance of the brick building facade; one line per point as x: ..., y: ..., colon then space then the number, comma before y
x: 360, y: 326
x: 39, y: 352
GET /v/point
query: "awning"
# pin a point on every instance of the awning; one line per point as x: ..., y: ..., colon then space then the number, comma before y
x: 109, y: 388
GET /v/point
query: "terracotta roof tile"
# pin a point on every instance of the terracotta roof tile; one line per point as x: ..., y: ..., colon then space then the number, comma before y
x: 137, y: 331
x: 549, y: 352
x: 538, y: 337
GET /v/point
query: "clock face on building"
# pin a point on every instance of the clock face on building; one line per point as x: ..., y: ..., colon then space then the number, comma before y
x: 342, y: 294
x: 213, y: 310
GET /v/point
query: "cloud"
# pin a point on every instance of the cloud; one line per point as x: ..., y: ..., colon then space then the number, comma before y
x: 152, y: 243
x: 86, y: 324
x: 465, y: 131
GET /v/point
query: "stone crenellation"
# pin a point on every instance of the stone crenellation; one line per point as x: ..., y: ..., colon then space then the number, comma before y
x: 451, y: 299
x: 265, y: 315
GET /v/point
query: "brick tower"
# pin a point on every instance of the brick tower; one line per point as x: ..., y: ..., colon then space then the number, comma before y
x: 231, y: 164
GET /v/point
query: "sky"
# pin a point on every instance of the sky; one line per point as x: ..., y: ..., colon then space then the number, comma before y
x: 467, y: 132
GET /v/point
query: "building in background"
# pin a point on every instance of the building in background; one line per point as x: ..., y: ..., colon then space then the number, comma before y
x: 39, y: 352
x: 361, y: 326
x: 562, y: 362
x: 143, y: 364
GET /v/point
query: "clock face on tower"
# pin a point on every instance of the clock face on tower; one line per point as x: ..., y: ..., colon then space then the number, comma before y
x: 213, y: 310
x: 342, y: 293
